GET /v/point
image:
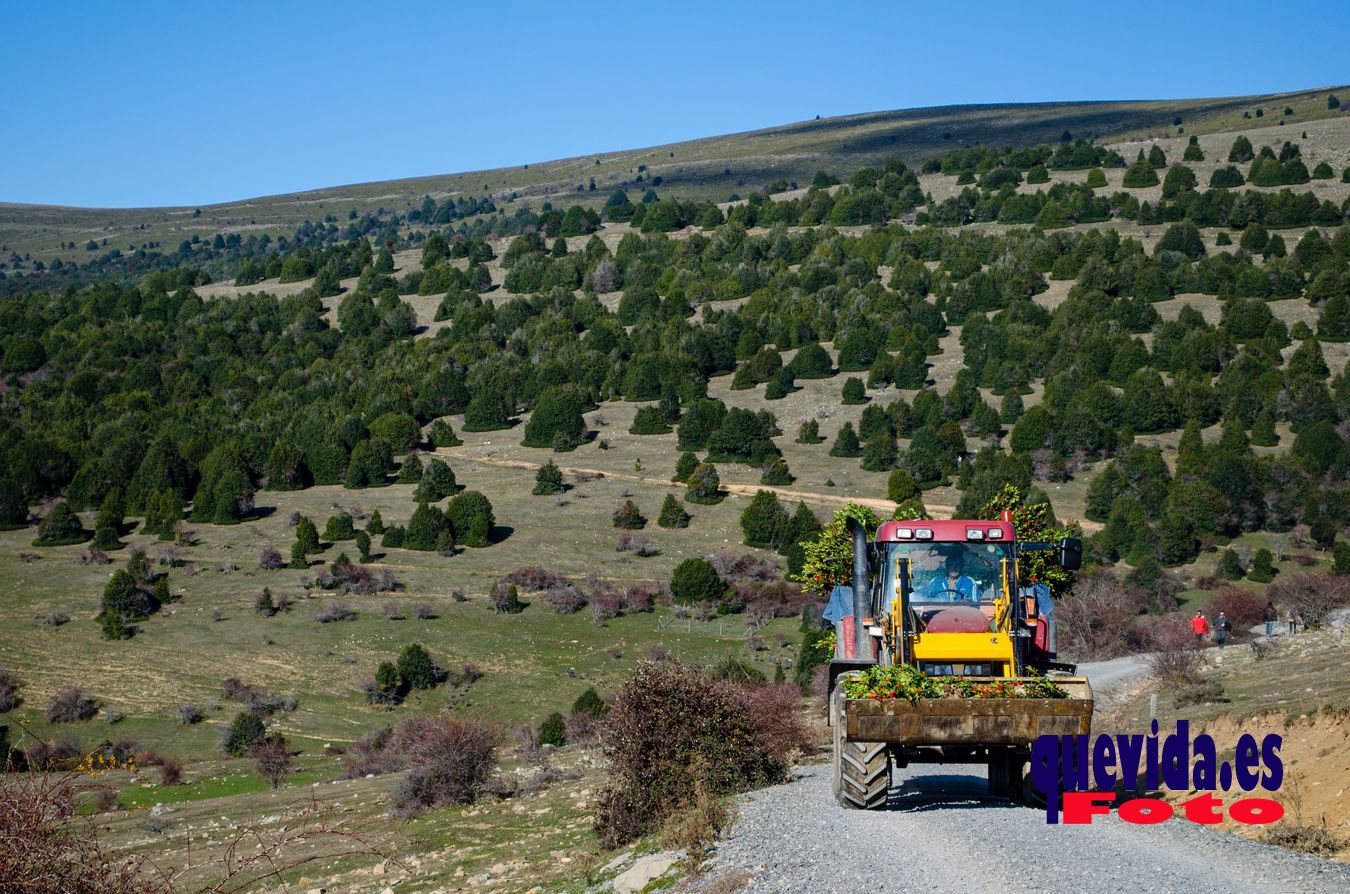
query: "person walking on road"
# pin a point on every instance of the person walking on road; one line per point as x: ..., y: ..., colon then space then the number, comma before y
x: 1200, y: 627
x: 1221, y: 627
x: 1270, y: 616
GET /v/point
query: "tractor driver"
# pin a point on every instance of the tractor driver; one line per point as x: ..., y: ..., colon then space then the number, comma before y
x: 953, y: 585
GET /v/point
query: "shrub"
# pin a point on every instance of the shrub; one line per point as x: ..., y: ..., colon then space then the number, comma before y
x: 270, y: 559
x: 812, y: 362
x: 737, y: 670
x: 553, y: 731
x: 808, y: 432
x: 339, y: 527
x: 189, y: 714
x: 684, y: 467
x: 1263, y: 568
x: 846, y: 444
x: 472, y: 517
x: 665, y: 720
x: 1095, y: 618
x: 505, y: 599
x: 1229, y: 566
x: 628, y: 517
x: 901, y: 487
x: 71, y: 705
x: 777, y: 474
x: 566, y: 600
x: 548, y: 480
x: 422, y: 611
x: 9, y: 693
x: 335, y: 610
x: 590, y: 703
x: 696, y: 581
x: 60, y: 527
x: 273, y: 760
x: 449, y: 762
x: 243, y: 734
x: 1096, y: 179
x: 636, y: 543
x: 443, y: 434
x: 532, y: 578
x: 1243, y: 608
x: 1174, y: 657
x: 764, y: 520
x: 417, y: 670
x: 557, y: 412
x: 672, y: 514
x: 650, y: 421
x: 170, y: 771
x: 1311, y: 596
x: 705, y: 485
x: 854, y: 392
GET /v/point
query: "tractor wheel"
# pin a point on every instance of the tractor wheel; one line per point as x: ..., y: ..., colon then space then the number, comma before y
x: 1006, y: 768
x: 862, y: 770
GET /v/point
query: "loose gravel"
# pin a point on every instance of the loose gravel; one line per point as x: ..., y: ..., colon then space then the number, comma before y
x: 942, y: 832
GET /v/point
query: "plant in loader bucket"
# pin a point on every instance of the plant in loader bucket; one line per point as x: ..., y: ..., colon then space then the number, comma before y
x: 940, y: 602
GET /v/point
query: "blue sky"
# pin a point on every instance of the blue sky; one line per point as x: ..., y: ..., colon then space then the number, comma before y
x: 191, y: 103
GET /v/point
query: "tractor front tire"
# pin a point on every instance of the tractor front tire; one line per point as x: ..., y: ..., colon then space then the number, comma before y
x: 862, y: 770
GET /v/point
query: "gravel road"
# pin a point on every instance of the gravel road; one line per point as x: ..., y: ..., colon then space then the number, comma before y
x: 942, y: 832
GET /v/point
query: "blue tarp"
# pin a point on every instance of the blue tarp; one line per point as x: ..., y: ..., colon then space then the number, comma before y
x: 840, y: 605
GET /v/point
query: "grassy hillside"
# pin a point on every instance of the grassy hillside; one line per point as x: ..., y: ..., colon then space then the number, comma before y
x: 710, y: 168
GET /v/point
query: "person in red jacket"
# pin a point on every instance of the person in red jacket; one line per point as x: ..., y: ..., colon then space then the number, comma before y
x: 1200, y: 627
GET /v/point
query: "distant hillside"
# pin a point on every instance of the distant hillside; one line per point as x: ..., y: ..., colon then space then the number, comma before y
x: 709, y: 168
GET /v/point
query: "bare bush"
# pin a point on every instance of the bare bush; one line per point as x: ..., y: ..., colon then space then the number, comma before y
x: 334, y: 611
x: 566, y: 600
x: 189, y: 714
x: 533, y: 578
x: 638, y: 544
x: 370, y: 755
x: 270, y: 559
x: 71, y: 705
x: 55, y: 618
x: 1174, y: 657
x: 422, y: 611
x: 581, y: 728
x: 663, y: 718
x: 9, y: 692
x: 449, y: 762
x: 170, y: 771
x: 273, y: 760
x: 745, y: 568
x: 1243, y: 608
x: 1312, y: 596
x: 465, y: 675
x: 638, y: 598
x: 1095, y: 619
x: 392, y: 611
x: 94, y: 556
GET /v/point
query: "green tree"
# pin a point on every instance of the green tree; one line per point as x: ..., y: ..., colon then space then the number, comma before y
x: 629, y: 517
x: 553, y: 731
x: 548, y: 480
x: 1140, y: 175
x: 854, y: 391
x: 672, y: 514
x: 1263, y: 567
x: 371, y: 462
x: 556, y: 412
x: 705, y: 485
x: 777, y: 474
x: 901, y: 487
x: 684, y: 467
x: 764, y: 520
x: 696, y: 581
x: 108, y: 526
x: 416, y: 668
x: 60, y: 527
x: 472, y: 517
x: 438, y: 482
x: 591, y: 704
x: 812, y: 362
x: 1229, y: 566
x: 243, y: 734
x: 846, y: 443
x: 1096, y: 179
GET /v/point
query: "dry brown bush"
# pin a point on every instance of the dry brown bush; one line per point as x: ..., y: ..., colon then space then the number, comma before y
x: 1174, y: 655
x: 1312, y: 596
x: 71, y: 705
x: 449, y: 761
x: 1096, y: 618
x: 1243, y: 608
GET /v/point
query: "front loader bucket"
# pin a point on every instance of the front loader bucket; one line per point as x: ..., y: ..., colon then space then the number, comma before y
x: 970, y: 721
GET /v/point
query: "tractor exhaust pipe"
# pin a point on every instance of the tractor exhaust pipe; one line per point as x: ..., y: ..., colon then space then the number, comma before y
x: 862, y: 591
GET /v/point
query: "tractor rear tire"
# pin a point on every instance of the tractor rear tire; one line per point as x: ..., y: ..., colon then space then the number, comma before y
x: 862, y: 770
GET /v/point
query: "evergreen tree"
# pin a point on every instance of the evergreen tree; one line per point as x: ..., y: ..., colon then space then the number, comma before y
x: 1156, y: 157
x: 363, y: 545
x: 901, y: 487
x: 672, y: 514
x: 108, y: 526
x: 1011, y: 408
x: 808, y: 432
x: 854, y: 392
x: 438, y: 482
x: 1096, y: 179
x: 442, y: 434
x: 1241, y: 151
x: 298, y: 557
x: 880, y: 453
x: 705, y: 485
x: 846, y: 443
x: 339, y: 527
x: 472, y: 518
x: 696, y: 581
x: 60, y: 527
x: 307, y: 535
x: 556, y: 412
x: 1263, y: 430
x: 764, y: 521
x: 553, y: 731
x: 812, y: 362
x: 371, y: 461
x: 1140, y: 175
x: 629, y: 517
x: 684, y: 467
x: 1263, y: 567
x: 777, y: 474
x: 548, y: 480
x: 417, y: 670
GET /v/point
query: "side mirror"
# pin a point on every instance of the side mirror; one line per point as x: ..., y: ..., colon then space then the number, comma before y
x: 1071, y: 554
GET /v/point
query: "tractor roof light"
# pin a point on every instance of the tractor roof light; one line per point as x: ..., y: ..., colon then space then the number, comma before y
x: 995, y: 533
x: 974, y: 534
x: 924, y: 534
x: 904, y: 533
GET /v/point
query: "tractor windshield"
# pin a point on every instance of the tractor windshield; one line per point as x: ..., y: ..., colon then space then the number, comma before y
x: 949, y: 573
